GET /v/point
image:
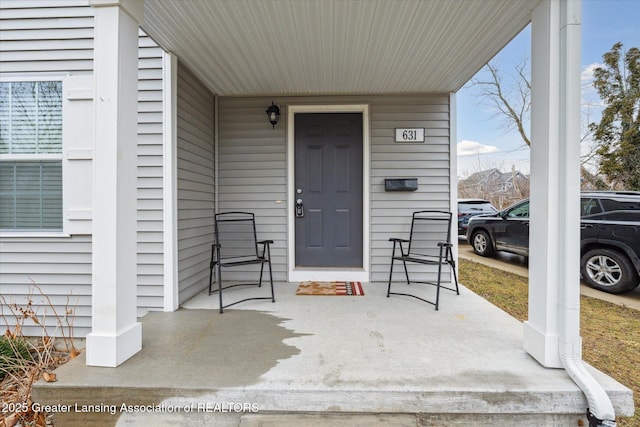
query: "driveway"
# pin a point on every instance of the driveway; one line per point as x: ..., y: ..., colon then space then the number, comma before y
x: 516, y: 264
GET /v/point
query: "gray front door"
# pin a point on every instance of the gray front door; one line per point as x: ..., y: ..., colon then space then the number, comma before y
x: 328, y: 186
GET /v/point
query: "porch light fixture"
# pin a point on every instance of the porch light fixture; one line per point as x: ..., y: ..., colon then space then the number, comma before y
x: 273, y: 113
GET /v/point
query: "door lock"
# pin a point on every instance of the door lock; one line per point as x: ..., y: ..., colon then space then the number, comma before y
x: 299, y: 208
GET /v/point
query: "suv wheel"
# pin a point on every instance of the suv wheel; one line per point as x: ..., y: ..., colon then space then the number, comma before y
x: 481, y: 243
x: 608, y: 271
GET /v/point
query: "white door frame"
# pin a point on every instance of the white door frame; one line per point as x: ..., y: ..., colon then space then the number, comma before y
x: 327, y: 274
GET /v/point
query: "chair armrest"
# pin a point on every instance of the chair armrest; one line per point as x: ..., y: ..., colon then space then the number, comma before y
x: 445, y: 244
x: 262, y: 242
x: 395, y: 239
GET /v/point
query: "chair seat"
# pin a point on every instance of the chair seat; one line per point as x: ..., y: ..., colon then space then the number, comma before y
x: 421, y: 259
x: 244, y: 260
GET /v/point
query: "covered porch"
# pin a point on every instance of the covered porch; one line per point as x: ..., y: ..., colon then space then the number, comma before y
x: 413, y: 360
x: 328, y: 360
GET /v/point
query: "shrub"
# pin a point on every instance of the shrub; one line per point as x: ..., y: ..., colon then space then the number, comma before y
x: 13, y: 353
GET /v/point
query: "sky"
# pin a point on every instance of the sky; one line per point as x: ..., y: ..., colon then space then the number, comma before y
x: 484, y: 142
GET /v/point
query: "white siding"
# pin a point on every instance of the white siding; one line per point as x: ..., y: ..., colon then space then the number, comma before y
x: 252, y: 173
x: 36, y: 40
x: 195, y: 183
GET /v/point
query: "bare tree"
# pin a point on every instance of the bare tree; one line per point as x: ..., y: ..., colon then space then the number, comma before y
x: 509, y: 97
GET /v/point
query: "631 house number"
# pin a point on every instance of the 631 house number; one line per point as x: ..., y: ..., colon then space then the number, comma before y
x: 409, y: 134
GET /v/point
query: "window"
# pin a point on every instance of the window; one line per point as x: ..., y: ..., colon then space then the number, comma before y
x: 620, y: 205
x: 521, y: 211
x: 31, y: 155
x: 590, y: 207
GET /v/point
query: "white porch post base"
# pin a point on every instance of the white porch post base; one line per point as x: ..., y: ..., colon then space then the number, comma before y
x: 543, y: 347
x: 111, y: 350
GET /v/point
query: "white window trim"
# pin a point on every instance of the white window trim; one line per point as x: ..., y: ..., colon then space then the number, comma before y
x: 38, y: 234
x: 7, y: 233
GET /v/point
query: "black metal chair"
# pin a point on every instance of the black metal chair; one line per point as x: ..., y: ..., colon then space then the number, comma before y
x: 429, y: 243
x: 236, y: 245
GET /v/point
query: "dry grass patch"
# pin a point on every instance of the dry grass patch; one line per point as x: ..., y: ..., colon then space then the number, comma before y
x: 610, y: 333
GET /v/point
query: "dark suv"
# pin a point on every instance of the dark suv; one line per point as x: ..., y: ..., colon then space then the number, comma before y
x: 472, y: 207
x: 609, y: 237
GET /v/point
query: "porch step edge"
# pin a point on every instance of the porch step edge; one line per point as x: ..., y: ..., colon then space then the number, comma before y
x: 409, y: 420
x: 342, y: 401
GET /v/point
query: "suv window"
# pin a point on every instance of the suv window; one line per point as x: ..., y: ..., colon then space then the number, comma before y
x: 589, y: 207
x: 620, y: 205
x: 521, y: 211
x: 626, y: 215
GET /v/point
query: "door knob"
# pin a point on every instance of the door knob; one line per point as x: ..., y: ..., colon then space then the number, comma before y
x: 299, y: 208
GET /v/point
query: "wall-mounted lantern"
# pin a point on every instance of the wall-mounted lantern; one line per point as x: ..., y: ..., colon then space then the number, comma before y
x: 273, y: 113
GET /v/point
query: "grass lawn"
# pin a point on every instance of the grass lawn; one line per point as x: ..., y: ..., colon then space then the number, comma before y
x: 610, y: 333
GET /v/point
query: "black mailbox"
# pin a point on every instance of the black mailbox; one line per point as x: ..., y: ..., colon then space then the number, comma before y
x: 400, y: 184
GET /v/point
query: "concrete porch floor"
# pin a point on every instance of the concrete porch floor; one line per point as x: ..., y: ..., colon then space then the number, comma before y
x: 323, y: 361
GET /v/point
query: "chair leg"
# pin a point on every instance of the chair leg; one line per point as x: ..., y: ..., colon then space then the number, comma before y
x: 455, y: 277
x: 273, y: 298
x: 441, y: 258
x: 210, y: 278
x: 438, y: 285
x: 406, y: 272
x: 267, y: 249
x: 261, y: 270
x: 220, y: 287
x: 211, y: 269
x: 453, y: 270
x: 390, y: 275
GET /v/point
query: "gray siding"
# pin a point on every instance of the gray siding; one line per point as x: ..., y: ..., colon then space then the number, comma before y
x: 429, y: 162
x: 55, y: 267
x: 150, y: 193
x: 35, y: 40
x: 252, y: 167
x: 61, y: 267
x: 252, y: 174
x: 196, y: 190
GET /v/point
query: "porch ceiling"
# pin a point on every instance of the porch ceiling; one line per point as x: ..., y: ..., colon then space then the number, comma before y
x: 280, y: 47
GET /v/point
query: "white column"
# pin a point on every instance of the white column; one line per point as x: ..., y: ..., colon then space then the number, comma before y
x: 554, y: 247
x: 453, y: 171
x: 116, y: 335
x: 170, y: 179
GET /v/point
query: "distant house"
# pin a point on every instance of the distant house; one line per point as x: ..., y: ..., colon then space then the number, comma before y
x: 501, y: 188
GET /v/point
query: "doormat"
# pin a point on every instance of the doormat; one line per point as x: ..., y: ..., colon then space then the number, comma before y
x: 330, y: 288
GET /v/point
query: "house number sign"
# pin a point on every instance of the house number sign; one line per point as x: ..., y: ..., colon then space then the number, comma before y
x: 409, y: 134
